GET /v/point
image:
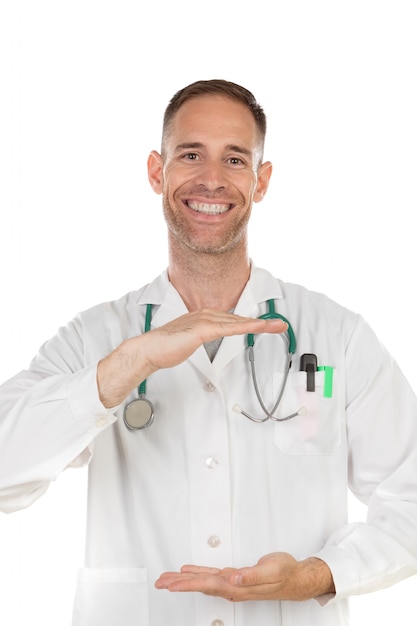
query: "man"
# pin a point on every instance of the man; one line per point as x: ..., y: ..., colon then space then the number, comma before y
x: 243, y: 470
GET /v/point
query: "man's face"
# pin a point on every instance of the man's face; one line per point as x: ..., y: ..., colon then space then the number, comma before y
x: 210, y: 174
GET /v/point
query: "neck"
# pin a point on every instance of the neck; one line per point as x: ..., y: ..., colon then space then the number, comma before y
x: 209, y: 280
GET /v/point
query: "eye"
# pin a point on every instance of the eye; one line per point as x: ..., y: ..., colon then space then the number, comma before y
x: 190, y: 156
x: 235, y: 161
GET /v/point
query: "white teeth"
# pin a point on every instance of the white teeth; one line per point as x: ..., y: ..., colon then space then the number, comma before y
x: 210, y: 209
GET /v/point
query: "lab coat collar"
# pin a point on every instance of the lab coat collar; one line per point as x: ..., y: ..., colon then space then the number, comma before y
x: 261, y: 286
x: 165, y: 297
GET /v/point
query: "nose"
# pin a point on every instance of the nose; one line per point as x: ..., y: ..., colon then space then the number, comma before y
x: 212, y: 175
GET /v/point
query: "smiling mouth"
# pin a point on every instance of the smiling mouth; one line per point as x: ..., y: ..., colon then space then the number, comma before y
x: 209, y: 209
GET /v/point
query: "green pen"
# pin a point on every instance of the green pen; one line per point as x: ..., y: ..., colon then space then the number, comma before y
x: 328, y: 380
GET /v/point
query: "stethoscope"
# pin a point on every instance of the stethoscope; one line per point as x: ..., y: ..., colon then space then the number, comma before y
x: 140, y: 413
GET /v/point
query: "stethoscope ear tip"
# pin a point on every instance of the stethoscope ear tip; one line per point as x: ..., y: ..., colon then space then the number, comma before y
x: 237, y: 408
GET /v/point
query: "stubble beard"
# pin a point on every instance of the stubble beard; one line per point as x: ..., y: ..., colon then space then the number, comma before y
x: 218, y: 244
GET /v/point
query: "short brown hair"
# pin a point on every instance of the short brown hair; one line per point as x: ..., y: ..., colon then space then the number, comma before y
x: 215, y: 87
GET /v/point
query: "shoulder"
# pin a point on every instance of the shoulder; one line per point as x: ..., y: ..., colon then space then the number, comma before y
x: 130, y: 305
x: 298, y: 297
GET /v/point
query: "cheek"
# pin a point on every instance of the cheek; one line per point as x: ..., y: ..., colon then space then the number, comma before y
x: 172, y: 182
x: 171, y: 195
x: 250, y: 191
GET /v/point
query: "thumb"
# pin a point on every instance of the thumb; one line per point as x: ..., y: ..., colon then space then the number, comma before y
x: 245, y: 576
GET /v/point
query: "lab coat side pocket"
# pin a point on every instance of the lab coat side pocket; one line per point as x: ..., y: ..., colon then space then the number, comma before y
x: 317, y: 430
x: 106, y: 597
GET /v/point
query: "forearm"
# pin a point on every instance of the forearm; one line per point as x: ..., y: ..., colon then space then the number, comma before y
x: 120, y: 372
x: 363, y: 558
x: 44, y: 426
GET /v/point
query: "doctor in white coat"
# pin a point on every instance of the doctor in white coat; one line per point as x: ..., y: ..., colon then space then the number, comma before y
x: 229, y: 508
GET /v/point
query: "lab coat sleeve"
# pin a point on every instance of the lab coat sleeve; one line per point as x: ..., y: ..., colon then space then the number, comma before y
x: 49, y: 417
x: 381, y: 417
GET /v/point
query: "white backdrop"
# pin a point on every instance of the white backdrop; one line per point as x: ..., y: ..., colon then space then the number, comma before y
x: 83, y: 89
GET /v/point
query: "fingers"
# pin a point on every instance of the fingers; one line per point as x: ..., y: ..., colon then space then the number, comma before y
x: 209, y: 581
x: 243, y: 325
x: 210, y: 324
x: 199, y: 569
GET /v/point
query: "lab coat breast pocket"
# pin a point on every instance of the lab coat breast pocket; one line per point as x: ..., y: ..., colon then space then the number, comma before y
x: 317, y: 429
x: 109, y: 597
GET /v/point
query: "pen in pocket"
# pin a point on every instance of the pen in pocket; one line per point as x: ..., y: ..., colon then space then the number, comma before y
x: 328, y: 380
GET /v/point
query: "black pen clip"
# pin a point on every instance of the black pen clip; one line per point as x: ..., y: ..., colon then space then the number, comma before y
x: 308, y: 363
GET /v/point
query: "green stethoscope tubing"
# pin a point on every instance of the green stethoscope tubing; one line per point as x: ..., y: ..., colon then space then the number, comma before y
x: 148, y: 318
x: 139, y: 413
x: 272, y: 314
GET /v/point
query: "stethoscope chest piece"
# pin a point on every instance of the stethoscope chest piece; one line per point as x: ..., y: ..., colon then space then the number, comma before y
x: 139, y: 413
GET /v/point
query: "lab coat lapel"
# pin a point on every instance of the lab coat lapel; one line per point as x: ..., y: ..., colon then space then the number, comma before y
x: 261, y: 287
x: 236, y: 344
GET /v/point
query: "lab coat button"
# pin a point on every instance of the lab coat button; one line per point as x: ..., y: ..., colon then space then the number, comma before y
x: 217, y: 622
x: 213, y: 541
x: 101, y: 422
x: 211, y: 462
x: 209, y: 386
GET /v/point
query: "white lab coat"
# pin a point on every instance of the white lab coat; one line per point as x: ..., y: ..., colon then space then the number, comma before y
x: 204, y: 484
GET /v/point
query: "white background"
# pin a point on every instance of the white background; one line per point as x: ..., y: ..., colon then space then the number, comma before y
x: 83, y: 89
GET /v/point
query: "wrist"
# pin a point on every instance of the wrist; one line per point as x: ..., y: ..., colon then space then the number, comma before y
x: 316, y: 578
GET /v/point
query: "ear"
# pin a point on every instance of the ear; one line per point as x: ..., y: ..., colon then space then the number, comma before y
x: 264, y: 175
x: 155, y: 171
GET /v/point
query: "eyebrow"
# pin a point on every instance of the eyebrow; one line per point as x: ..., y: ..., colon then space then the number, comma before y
x: 195, y: 145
